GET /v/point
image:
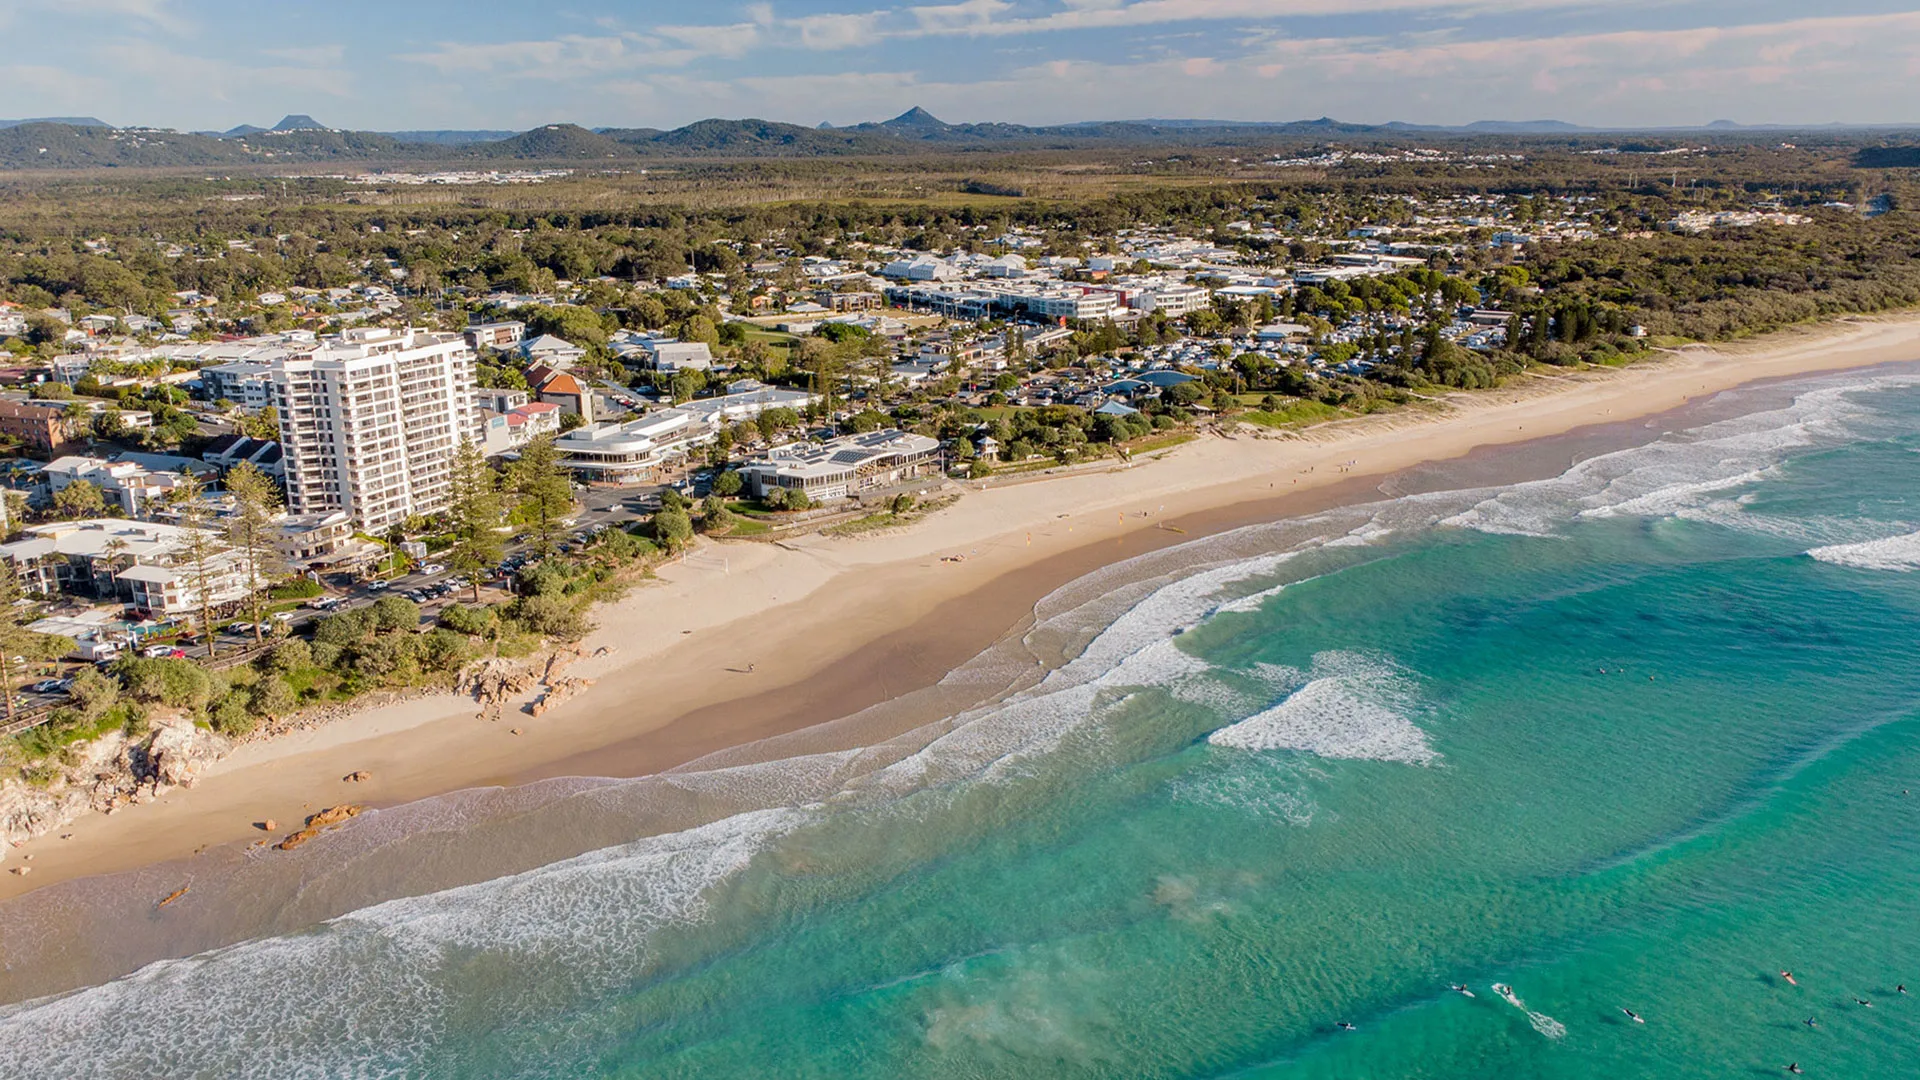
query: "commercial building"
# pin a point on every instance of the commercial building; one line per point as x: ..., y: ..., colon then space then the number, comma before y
x: 370, y: 422
x: 636, y: 451
x: 843, y: 467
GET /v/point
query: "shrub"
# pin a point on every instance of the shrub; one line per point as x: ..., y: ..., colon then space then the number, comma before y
x: 444, y: 650
x: 672, y: 500
x: 234, y: 717
x: 396, y: 613
x: 544, y: 578
x: 296, y: 589
x: 346, y: 628
x: 326, y: 654
x: 797, y: 499
x: 672, y: 527
x: 551, y: 617
x: 464, y: 619
x: 289, y: 655
x: 727, y: 484
x: 273, y: 698
x: 173, y: 683
x: 903, y: 503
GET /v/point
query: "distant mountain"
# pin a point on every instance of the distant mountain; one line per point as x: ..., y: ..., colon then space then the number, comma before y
x: 1524, y: 127
x: 553, y: 142
x: 917, y: 119
x: 299, y: 139
x: 70, y: 121
x: 449, y: 138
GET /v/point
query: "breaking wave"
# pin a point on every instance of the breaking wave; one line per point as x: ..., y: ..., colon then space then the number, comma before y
x: 1345, y: 706
x: 1897, y: 553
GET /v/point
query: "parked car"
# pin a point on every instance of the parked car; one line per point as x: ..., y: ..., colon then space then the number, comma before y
x: 282, y: 617
x: 50, y: 686
x: 434, y: 568
x: 240, y: 628
x: 163, y: 652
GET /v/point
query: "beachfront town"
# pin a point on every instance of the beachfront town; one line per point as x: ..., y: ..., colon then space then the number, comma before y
x: 232, y: 470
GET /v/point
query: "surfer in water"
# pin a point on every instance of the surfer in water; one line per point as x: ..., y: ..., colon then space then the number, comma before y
x: 1901, y: 989
x: 1461, y: 988
x: 1863, y: 1003
x: 1794, y: 1068
x: 1344, y: 1026
x: 1811, y: 1022
x: 1631, y: 1015
x: 1788, y: 975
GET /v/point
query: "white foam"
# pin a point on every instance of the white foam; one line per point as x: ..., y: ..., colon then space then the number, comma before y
x: 1348, y: 707
x: 1900, y: 554
x: 370, y: 994
x: 1681, y: 474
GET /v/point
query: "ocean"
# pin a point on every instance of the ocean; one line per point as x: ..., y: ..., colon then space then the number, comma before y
x: 1642, y: 735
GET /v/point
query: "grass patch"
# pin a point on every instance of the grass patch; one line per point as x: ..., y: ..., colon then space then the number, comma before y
x: 744, y: 527
x: 1292, y: 414
x: 1160, y: 442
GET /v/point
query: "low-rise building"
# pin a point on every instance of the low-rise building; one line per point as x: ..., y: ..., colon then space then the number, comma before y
x: 746, y: 400
x: 633, y: 452
x: 501, y: 432
x: 142, y: 564
x: 843, y: 467
x: 130, y: 486
x: 42, y: 430
x: 499, y: 335
x: 246, y: 383
x: 228, y: 451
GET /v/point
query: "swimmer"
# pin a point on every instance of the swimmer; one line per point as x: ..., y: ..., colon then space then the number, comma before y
x: 1631, y: 1015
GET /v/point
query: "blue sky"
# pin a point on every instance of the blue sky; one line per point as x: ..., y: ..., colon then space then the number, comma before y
x: 407, y: 64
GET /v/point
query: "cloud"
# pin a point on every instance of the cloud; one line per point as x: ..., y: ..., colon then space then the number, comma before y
x: 155, y: 14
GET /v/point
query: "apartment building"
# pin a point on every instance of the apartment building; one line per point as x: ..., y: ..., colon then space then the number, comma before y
x: 370, y: 422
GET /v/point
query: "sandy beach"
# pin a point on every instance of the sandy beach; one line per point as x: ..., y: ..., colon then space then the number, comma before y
x: 742, y: 641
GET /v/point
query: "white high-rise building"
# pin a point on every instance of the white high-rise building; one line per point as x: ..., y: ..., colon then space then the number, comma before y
x: 370, y: 422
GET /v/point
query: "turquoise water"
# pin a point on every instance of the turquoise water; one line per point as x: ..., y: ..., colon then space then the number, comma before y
x: 1616, y: 739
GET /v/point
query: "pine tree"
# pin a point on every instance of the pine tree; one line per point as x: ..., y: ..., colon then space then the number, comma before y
x: 475, y: 514
x: 546, y: 496
x: 251, y: 531
x: 197, y: 550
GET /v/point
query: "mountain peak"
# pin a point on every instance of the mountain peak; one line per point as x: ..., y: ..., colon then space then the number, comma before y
x: 915, y: 117
x: 299, y: 122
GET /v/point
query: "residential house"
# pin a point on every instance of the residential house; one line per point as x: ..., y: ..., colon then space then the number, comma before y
x: 499, y: 335
x: 142, y: 564
x: 41, y: 429
x: 553, y: 352
x: 228, y: 451
x: 563, y: 388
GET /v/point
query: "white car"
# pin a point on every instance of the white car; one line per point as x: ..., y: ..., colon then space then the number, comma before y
x: 434, y: 568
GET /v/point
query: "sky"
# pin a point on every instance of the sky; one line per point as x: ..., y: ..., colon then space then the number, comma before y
x: 389, y: 65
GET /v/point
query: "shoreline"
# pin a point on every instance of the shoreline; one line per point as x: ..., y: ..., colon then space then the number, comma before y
x: 743, y: 647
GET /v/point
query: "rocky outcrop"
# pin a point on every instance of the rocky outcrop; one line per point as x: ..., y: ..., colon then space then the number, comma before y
x: 319, y: 823
x: 495, y: 682
x: 556, y: 692
x: 106, y: 775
